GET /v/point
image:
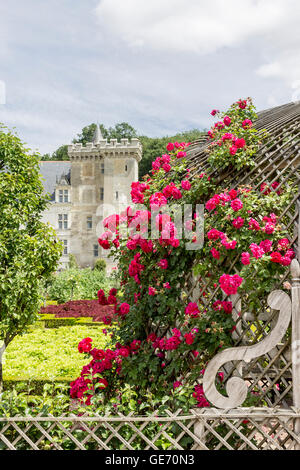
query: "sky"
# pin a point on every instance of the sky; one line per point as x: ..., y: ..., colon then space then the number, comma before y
x: 162, y: 66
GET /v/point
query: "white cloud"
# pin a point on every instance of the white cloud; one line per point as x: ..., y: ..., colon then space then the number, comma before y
x: 161, y: 65
x: 286, y: 67
x: 193, y: 25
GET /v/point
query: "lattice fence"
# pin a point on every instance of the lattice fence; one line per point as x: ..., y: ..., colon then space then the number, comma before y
x: 205, y: 429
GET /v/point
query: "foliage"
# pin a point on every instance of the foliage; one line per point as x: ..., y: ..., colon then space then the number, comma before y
x: 123, y: 130
x: 76, y: 284
x: 154, y: 146
x: 60, y: 154
x: 29, y: 250
x: 236, y: 147
x: 48, y: 320
x: 73, y: 262
x: 54, y: 401
x: 100, y: 265
x: 49, y: 354
x: 119, y: 131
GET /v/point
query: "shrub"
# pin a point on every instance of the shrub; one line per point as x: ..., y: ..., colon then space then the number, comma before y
x: 29, y: 249
x: 100, y: 265
x: 76, y: 284
x: 73, y: 262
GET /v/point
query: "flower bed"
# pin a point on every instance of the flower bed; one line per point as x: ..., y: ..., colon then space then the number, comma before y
x: 80, y: 308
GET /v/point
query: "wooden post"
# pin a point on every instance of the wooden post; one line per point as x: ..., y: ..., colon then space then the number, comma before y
x: 295, y: 346
x: 199, y: 429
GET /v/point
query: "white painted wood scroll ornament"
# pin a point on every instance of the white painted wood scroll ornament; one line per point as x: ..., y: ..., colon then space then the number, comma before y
x: 236, y: 387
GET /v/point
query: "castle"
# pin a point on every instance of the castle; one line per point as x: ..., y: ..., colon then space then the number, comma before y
x: 95, y: 183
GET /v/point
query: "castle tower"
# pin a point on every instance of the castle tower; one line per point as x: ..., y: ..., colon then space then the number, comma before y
x: 101, y: 177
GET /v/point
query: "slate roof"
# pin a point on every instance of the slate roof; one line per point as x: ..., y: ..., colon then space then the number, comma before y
x: 51, y: 172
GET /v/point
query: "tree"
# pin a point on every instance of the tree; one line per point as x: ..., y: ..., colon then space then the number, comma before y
x: 29, y: 250
x: 156, y: 146
x: 152, y: 146
x: 87, y: 134
x: 61, y: 153
x: 123, y: 130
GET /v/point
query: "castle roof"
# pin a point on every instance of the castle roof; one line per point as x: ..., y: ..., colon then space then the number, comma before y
x: 53, y: 172
x: 97, y: 135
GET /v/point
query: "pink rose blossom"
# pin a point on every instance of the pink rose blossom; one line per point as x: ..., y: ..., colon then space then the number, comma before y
x: 170, y: 147
x: 269, y: 228
x: 215, y: 253
x: 245, y: 258
x: 236, y: 205
x: 240, y: 143
x: 189, y: 338
x: 185, y: 184
x: 163, y: 264
x: 283, y: 244
x: 266, y: 245
x: 192, y: 309
x: 256, y: 251
x: 247, y: 123
x: 238, y: 222
x: 152, y: 291
x: 253, y: 224
x: 124, y: 308
x: 233, y: 149
x: 213, y: 234
x: 181, y: 154
x: 230, y: 284
x: 166, y: 167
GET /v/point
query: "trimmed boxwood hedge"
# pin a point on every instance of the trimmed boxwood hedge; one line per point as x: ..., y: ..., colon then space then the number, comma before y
x: 49, y: 355
x: 48, y: 320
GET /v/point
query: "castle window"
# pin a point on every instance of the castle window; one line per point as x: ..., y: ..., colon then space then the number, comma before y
x: 89, y: 223
x: 63, y: 195
x: 102, y: 168
x: 96, y: 251
x: 62, y: 221
x: 126, y: 167
x: 101, y: 194
x: 65, y: 242
x: 117, y: 195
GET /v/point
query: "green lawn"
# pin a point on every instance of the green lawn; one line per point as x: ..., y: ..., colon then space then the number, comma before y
x: 50, y: 353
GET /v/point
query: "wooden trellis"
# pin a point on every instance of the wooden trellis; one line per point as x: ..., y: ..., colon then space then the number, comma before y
x: 268, y: 375
x: 202, y: 429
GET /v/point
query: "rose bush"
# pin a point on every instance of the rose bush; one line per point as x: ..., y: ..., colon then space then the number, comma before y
x: 162, y: 339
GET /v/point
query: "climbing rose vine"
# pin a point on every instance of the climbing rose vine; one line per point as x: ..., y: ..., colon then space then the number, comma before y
x: 160, y: 338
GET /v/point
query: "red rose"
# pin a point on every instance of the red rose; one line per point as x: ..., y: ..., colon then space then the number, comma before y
x: 233, y: 149
x: 276, y: 257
